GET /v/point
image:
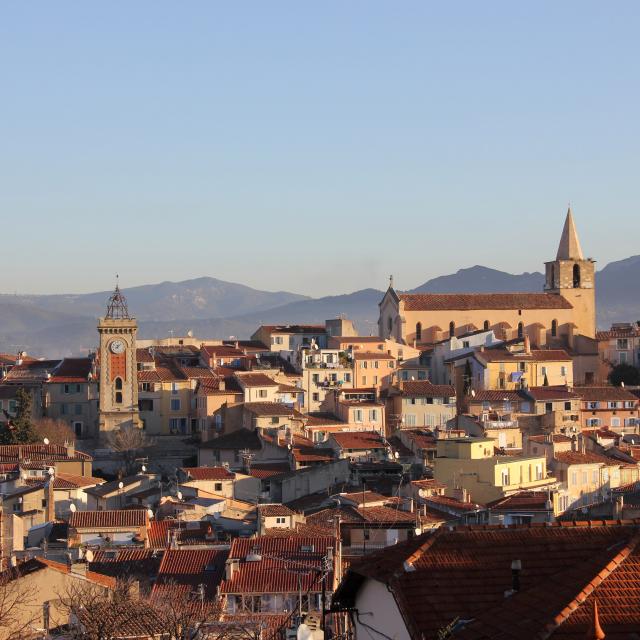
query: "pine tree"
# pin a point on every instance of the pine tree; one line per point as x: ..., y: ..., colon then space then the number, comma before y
x: 20, y: 430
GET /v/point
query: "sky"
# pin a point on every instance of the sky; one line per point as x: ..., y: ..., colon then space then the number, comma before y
x: 312, y: 147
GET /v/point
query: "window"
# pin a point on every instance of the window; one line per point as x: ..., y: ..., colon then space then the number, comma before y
x: 622, y: 344
x: 77, y: 428
x: 118, y: 384
x: 262, y: 393
x: 419, y: 331
x: 486, y: 325
x: 67, y: 388
x: 145, y: 404
x: 375, y: 379
x: 316, y: 378
x: 373, y: 415
x: 404, y: 375
x: 576, y: 276
x: 17, y: 506
x: 552, y: 276
x: 363, y: 364
x: 622, y: 357
x: 567, y: 406
x: 174, y: 387
x: 357, y: 415
x: 64, y: 409
x: 543, y: 370
x: 410, y: 420
x: 465, y: 344
x: 118, y: 397
x: 347, y: 377
x: 554, y: 328
x: 175, y: 404
x: 146, y: 386
x: 548, y: 407
x: 275, y: 420
x: 281, y: 520
x: 520, y: 329
x: 615, y: 422
x: 523, y: 366
x: 563, y: 371
x: 505, y: 477
x: 538, y: 472
x: 452, y: 329
x: 364, y: 380
x: 389, y: 324
x: 77, y: 409
x: 315, y: 397
x: 217, y: 486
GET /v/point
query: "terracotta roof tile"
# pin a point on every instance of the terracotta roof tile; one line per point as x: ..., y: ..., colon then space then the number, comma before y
x: 607, y: 394
x: 209, y: 473
x: 108, y: 519
x: 359, y: 440
x: 492, y: 301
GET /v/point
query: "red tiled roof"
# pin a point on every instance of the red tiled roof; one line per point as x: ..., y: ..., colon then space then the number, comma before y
x: 72, y: 370
x: 528, y: 500
x: 108, y: 519
x: 551, y: 393
x: 421, y: 439
x: 272, y: 510
x: 256, y: 380
x: 275, y: 571
x: 269, y: 409
x: 426, y: 389
x: 359, y: 440
x: 371, y: 355
x: 72, y: 481
x: 492, y: 301
x: 577, y: 457
x: 240, y: 439
x: 618, y: 332
x: 183, y: 569
x: 452, y: 503
x: 607, y: 394
x: 463, y: 575
x: 556, y: 437
x: 158, y: 534
x: 265, y: 470
x: 363, y: 497
x: 500, y: 354
x: 34, y: 452
x: 209, y: 473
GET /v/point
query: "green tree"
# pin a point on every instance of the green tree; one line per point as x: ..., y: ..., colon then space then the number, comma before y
x: 20, y: 430
x: 624, y: 373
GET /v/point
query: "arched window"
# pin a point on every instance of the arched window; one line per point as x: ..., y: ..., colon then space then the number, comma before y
x: 419, y: 331
x: 389, y: 324
x: 118, y: 384
x: 486, y: 325
x: 452, y: 329
x: 552, y: 276
x: 576, y: 276
x: 520, y: 329
x: 554, y: 328
x: 118, y: 397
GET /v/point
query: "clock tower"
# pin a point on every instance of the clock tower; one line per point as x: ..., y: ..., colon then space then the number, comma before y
x: 118, y: 367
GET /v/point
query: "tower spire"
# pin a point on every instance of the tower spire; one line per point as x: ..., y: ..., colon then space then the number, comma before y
x: 117, y: 305
x: 569, y: 248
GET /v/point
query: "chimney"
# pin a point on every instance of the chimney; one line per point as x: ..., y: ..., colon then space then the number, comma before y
x: 50, y: 510
x: 574, y: 443
x: 19, y: 358
x: 79, y: 568
x: 516, y: 567
x: 232, y: 566
x: 527, y: 344
x: 71, y: 449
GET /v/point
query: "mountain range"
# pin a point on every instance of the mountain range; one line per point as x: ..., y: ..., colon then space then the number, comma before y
x: 65, y: 324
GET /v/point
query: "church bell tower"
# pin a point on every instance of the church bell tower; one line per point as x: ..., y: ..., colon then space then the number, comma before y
x: 118, y: 366
x: 573, y: 277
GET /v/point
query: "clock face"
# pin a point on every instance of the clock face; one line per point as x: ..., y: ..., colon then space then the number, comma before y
x: 117, y: 346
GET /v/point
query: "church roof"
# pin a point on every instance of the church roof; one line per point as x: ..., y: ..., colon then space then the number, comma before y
x: 466, y: 301
x: 569, y: 248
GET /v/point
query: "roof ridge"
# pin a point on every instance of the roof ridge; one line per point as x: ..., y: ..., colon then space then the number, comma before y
x: 593, y: 584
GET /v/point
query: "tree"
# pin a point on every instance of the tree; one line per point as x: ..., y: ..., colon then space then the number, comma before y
x: 626, y: 373
x: 17, y: 605
x: 98, y: 613
x: 57, y: 431
x: 129, y: 443
x: 20, y: 430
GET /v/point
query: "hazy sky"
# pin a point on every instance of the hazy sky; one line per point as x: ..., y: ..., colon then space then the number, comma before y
x: 314, y: 147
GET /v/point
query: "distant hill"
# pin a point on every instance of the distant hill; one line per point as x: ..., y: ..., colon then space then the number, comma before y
x: 478, y: 278
x: 66, y: 324
x: 198, y: 298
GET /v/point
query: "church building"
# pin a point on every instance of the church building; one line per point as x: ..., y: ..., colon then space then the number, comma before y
x: 561, y: 316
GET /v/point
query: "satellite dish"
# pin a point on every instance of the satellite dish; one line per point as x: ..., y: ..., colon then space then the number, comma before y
x: 89, y: 555
x: 51, y: 471
x: 144, y: 469
x: 473, y: 393
x: 150, y: 513
x: 418, y: 531
x: 46, y: 441
x: 179, y: 494
x: 120, y: 485
x: 73, y: 508
x: 216, y: 515
x: 14, y: 561
x: 622, y: 384
x: 190, y: 334
x: 396, y: 455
